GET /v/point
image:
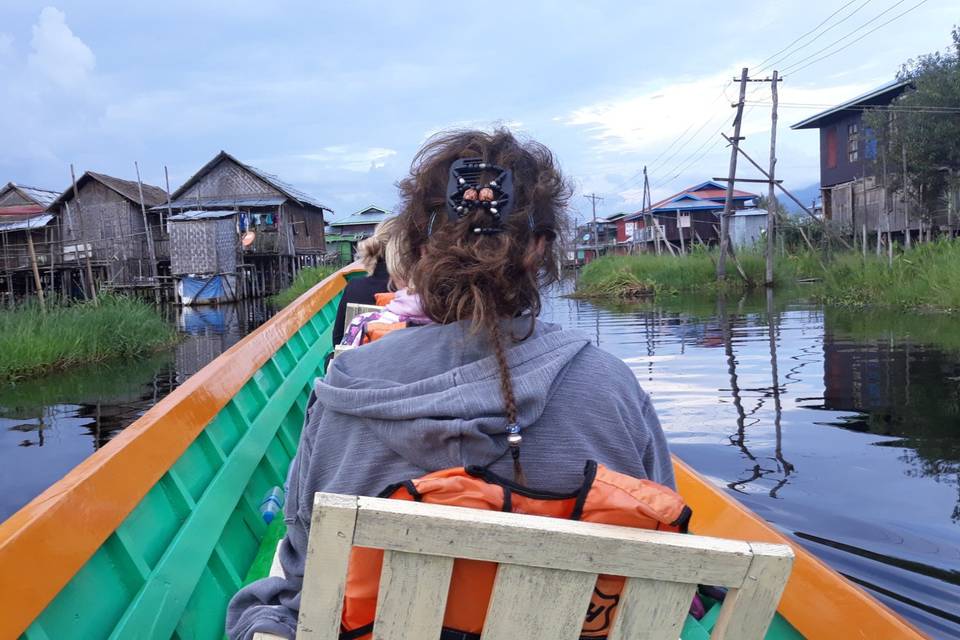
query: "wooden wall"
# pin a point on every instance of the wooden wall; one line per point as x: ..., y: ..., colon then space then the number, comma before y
x: 203, y: 246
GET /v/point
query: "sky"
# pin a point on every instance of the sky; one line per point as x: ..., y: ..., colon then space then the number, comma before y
x: 337, y: 97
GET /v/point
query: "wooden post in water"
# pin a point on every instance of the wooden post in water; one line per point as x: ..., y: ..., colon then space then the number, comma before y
x: 33, y: 267
x: 146, y: 225
x: 683, y: 248
x: 83, y: 243
x: 863, y: 244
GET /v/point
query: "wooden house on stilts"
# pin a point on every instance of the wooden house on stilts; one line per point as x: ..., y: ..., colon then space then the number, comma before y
x: 108, y: 223
x: 276, y: 230
x: 28, y: 240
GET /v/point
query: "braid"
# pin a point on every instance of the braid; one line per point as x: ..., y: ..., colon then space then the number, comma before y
x: 506, y: 383
x: 509, y: 402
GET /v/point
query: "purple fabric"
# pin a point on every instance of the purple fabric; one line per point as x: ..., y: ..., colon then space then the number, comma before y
x: 407, y: 307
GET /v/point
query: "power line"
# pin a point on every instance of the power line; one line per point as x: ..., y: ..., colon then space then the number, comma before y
x: 795, y: 69
x: 761, y: 66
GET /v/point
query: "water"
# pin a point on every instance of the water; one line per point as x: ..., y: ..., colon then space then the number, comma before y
x: 49, y: 425
x: 840, y: 428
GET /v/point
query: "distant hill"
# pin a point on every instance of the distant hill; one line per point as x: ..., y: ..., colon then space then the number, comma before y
x: 806, y: 195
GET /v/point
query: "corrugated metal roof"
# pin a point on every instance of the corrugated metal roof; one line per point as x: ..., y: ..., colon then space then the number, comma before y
x: 367, y: 215
x: 283, y: 187
x: 30, y: 223
x: 877, y: 96
x: 43, y: 197
x: 195, y: 214
x: 230, y: 201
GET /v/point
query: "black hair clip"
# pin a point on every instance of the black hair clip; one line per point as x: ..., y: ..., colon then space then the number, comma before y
x: 465, y: 192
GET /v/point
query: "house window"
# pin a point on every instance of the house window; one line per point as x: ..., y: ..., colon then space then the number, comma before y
x: 832, y: 148
x: 853, y: 142
x: 869, y: 144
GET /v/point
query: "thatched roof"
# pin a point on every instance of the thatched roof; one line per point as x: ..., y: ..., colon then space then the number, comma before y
x: 127, y: 188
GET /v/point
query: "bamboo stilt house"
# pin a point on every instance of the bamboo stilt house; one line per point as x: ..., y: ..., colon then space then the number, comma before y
x: 105, y: 219
x: 24, y: 221
x: 283, y: 227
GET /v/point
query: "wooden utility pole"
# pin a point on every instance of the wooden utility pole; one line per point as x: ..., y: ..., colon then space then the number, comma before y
x: 732, y: 176
x: 772, y: 193
x: 683, y: 248
x: 596, y: 239
x: 83, y: 237
x: 906, y: 206
x: 647, y: 215
x: 33, y: 267
x: 146, y: 225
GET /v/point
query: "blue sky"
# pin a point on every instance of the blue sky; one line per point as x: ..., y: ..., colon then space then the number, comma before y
x: 336, y: 98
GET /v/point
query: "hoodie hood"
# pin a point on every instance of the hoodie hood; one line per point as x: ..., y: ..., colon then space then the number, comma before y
x: 432, y: 393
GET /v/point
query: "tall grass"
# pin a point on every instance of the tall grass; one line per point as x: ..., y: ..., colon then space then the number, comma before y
x: 926, y: 277
x: 32, y: 342
x: 648, y: 274
x: 301, y: 284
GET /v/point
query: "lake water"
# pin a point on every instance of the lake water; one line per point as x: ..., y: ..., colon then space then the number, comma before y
x: 841, y: 428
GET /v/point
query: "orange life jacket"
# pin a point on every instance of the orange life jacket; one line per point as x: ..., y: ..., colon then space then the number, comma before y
x: 385, y: 298
x: 605, y: 496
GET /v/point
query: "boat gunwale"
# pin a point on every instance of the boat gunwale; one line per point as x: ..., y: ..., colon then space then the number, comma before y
x: 45, y: 543
x: 812, y: 585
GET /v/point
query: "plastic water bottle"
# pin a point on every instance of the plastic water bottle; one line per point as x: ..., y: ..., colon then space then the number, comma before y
x: 272, y: 504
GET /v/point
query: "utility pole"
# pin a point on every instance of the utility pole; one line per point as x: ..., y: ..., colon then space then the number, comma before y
x: 596, y: 240
x: 732, y: 176
x: 647, y: 215
x: 772, y: 194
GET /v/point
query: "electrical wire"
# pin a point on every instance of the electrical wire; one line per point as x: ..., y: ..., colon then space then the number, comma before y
x: 794, y: 68
x: 762, y: 64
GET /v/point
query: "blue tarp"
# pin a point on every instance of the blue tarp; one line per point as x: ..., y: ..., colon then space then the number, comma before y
x: 207, y: 289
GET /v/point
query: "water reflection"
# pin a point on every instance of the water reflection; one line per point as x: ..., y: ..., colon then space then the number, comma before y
x: 49, y: 425
x: 838, y: 427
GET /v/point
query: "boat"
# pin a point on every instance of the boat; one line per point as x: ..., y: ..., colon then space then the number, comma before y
x: 151, y: 535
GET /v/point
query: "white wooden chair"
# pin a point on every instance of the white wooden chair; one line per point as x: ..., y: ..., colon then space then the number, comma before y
x: 354, y: 309
x: 545, y: 580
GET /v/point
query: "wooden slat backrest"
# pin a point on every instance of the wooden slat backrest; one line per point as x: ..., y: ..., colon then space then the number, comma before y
x: 547, y: 572
x: 354, y: 309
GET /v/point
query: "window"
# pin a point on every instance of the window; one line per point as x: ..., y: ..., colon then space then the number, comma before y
x: 831, y: 150
x: 853, y: 142
x: 869, y: 144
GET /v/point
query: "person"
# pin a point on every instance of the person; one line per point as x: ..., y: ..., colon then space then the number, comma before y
x: 484, y: 380
x: 373, y: 253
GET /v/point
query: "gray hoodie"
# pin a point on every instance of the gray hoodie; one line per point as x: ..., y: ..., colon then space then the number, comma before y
x: 429, y: 398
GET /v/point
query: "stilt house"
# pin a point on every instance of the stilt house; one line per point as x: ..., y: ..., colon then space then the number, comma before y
x: 24, y: 220
x: 282, y: 227
x: 107, y: 221
x: 854, y: 197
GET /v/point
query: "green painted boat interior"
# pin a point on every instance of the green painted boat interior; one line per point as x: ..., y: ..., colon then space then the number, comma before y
x: 171, y: 567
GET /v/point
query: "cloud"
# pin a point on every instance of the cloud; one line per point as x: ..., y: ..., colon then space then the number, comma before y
x: 57, y: 54
x: 345, y: 157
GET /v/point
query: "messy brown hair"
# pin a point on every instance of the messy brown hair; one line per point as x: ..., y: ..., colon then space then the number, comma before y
x: 484, y: 278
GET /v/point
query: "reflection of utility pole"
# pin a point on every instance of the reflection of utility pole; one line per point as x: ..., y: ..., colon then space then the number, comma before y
x: 596, y: 240
x: 777, y: 406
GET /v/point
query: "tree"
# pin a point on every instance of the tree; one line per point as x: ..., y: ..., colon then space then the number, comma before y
x: 929, y: 139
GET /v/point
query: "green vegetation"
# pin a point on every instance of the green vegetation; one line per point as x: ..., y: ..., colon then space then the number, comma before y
x: 926, y: 277
x: 32, y: 342
x: 648, y: 274
x: 301, y: 284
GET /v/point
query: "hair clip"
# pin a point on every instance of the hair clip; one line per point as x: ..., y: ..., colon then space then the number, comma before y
x: 465, y: 193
